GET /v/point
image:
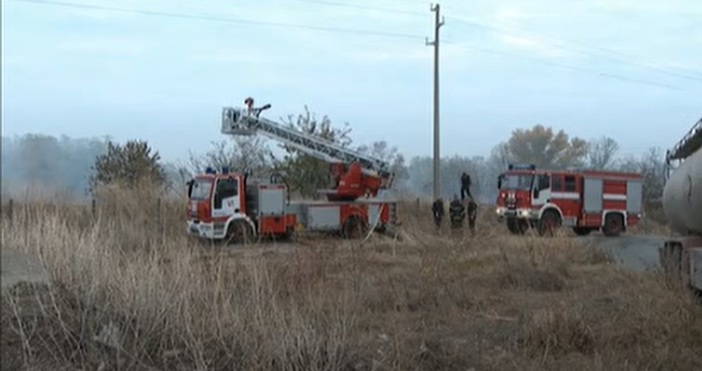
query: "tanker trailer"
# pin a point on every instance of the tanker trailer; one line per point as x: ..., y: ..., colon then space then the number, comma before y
x: 681, y: 255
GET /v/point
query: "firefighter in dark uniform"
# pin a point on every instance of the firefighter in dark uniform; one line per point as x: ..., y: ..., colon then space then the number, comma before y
x: 437, y: 210
x: 472, y: 214
x: 249, y: 102
x: 457, y: 213
x: 465, y: 186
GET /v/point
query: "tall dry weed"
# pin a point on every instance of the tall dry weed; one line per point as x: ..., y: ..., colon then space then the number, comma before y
x: 130, y: 291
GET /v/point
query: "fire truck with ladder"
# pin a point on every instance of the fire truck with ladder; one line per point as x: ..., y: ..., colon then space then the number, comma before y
x: 681, y: 254
x: 231, y: 206
x: 584, y: 200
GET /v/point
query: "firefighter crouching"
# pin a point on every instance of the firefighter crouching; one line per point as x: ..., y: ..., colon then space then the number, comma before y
x: 457, y: 213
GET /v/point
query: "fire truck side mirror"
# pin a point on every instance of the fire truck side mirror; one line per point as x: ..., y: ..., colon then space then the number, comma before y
x: 190, y: 183
x: 499, y: 182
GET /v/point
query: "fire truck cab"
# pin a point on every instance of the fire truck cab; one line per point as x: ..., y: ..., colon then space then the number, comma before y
x: 224, y: 205
x: 584, y: 200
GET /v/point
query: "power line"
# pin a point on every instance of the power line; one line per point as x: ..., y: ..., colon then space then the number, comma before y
x: 563, y: 66
x: 573, y: 41
x: 336, y: 30
x: 225, y: 20
x: 555, y: 42
x: 624, y: 58
x: 362, y: 7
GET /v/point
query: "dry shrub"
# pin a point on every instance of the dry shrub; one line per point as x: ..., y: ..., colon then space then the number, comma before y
x: 558, y: 330
x: 126, y: 275
x: 640, y: 325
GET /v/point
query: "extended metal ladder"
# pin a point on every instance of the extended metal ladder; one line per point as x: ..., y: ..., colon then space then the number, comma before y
x: 241, y: 121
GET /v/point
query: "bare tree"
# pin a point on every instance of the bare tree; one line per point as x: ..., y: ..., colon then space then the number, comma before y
x: 602, y: 152
x: 651, y: 165
x: 238, y: 154
x: 383, y: 151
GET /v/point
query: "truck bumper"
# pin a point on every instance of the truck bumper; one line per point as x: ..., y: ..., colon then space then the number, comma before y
x: 504, y: 213
x: 204, y: 230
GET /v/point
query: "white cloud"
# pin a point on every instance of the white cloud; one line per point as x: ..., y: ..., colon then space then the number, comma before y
x: 535, y: 45
x: 670, y: 7
x: 453, y: 55
x: 230, y: 56
x: 97, y: 45
x: 507, y: 14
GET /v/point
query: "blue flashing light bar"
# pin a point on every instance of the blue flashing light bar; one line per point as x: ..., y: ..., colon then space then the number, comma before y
x: 521, y: 167
x: 210, y: 170
x: 225, y: 169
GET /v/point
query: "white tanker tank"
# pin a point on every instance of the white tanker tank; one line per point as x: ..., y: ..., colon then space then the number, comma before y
x: 681, y: 255
x: 682, y: 196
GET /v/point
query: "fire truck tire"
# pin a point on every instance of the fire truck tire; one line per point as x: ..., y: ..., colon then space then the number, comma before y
x: 582, y: 231
x: 239, y: 232
x: 671, y: 258
x: 613, y: 225
x: 516, y: 226
x: 354, y: 228
x: 548, y: 224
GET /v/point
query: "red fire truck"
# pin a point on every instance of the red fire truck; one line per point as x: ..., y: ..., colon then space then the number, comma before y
x: 230, y: 206
x: 235, y: 207
x: 586, y: 200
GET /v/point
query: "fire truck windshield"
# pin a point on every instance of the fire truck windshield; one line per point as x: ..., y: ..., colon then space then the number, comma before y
x: 201, y: 189
x: 514, y: 181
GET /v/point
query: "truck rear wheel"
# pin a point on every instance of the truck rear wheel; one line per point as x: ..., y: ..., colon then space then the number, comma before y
x: 550, y: 222
x: 671, y: 262
x: 613, y: 225
x: 354, y: 228
x: 516, y: 226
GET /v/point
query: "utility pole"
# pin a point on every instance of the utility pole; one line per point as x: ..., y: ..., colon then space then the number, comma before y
x: 438, y: 22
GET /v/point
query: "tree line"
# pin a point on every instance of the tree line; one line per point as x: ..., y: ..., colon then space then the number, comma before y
x: 81, y: 165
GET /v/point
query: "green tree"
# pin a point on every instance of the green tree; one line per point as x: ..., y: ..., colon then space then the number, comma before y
x: 306, y: 174
x: 542, y: 146
x: 127, y: 166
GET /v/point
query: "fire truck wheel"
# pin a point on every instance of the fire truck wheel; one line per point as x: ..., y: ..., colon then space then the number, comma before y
x: 582, y: 231
x: 354, y: 228
x: 613, y: 225
x: 516, y: 226
x: 671, y: 262
x: 548, y: 224
x: 239, y: 232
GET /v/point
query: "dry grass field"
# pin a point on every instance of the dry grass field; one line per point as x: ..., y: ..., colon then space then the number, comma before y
x: 130, y: 292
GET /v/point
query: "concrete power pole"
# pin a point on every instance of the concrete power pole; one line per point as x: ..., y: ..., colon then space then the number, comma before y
x: 438, y: 22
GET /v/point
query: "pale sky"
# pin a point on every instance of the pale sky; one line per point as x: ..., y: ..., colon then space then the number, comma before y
x: 504, y: 64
